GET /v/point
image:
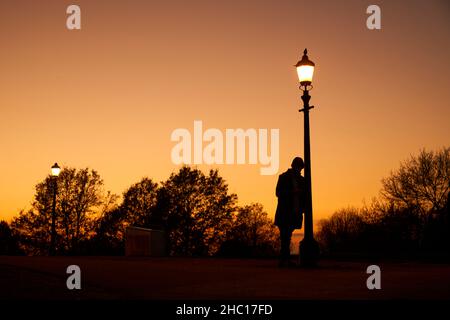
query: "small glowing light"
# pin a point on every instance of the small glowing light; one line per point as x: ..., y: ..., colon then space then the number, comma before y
x: 56, y: 170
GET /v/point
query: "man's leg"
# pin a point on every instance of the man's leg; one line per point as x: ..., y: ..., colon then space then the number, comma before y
x: 285, y: 239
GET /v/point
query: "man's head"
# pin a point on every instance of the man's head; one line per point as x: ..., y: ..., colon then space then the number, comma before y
x: 297, y: 164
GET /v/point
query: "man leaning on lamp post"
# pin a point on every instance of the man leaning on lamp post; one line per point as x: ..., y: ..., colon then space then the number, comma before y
x: 291, y: 202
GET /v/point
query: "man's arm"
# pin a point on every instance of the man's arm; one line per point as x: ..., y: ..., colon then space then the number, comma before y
x: 278, y: 189
x: 283, y: 189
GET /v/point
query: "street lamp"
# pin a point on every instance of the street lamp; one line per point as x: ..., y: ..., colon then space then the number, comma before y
x: 55, y: 170
x: 55, y: 173
x: 309, y: 248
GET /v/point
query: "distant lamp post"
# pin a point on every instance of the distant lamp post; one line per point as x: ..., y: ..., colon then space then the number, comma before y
x: 55, y: 173
x: 55, y: 170
x: 309, y: 248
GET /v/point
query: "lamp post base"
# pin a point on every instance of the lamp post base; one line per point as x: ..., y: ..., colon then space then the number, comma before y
x: 309, y: 252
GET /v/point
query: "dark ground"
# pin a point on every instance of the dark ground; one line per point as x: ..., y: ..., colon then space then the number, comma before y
x: 185, y: 278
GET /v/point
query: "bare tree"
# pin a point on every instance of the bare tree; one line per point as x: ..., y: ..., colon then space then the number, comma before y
x: 342, y: 229
x: 421, y: 182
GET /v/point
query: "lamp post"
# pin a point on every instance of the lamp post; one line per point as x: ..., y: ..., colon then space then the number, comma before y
x: 55, y: 173
x: 309, y: 248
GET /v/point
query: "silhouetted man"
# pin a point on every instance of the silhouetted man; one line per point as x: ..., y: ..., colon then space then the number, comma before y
x: 289, y: 215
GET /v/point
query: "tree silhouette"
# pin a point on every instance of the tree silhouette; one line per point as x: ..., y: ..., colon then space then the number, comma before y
x: 252, y: 233
x: 421, y: 182
x: 410, y: 218
x: 139, y: 202
x: 80, y: 196
x: 342, y: 230
x: 137, y: 209
x: 8, y: 241
x: 196, y: 210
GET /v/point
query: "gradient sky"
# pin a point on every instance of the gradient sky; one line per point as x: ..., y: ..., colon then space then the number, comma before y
x: 109, y: 96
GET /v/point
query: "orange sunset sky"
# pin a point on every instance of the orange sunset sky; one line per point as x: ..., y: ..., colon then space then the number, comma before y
x: 108, y: 96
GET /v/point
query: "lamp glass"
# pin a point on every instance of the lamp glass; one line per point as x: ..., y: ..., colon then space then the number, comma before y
x: 305, y: 74
x: 55, y: 171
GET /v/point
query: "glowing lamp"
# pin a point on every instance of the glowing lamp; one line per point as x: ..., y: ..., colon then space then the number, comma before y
x: 305, y: 70
x: 56, y: 170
